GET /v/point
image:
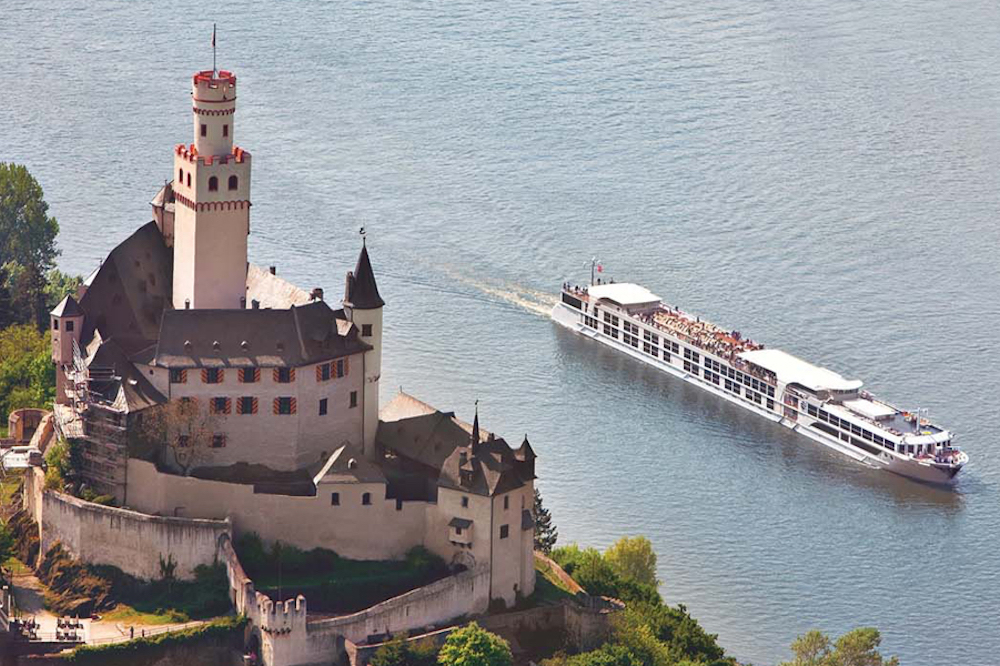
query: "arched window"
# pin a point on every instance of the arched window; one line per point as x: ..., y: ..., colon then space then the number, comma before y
x: 189, y: 180
x: 234, y: 182
x: 180, y: 176
x: 213, y: 184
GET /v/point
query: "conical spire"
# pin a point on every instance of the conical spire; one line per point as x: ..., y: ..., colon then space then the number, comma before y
x: 362, y: 292
x: 474, y: 438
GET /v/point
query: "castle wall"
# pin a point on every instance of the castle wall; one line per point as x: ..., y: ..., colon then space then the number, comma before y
x: 466, y: 593
x: 133, y: 542
x: 352, y: 529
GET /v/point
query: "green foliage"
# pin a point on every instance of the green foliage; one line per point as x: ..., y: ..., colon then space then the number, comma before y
x: 633, y: 558
x: 27, y: 375
x: 59, y: 285
x: 152, y: 649
x: 649, y: 631
x: 63, y: 460
x: 400, y: 652
x: 546, y: 533
x: 6, y: 542
x: 858, y: 647
x: 27, y: 245
x: 474, y: 646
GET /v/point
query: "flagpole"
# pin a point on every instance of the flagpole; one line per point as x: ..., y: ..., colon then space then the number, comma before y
x: 214, y: 69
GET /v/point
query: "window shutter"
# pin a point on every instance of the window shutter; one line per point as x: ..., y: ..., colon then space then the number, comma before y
x: 204, y: 375
x: 277, y: 405
x: 291, y: 375
x: 239, y: 406
x: 276, y: 379
x: 229, y: 405
x: 292, y: 400
x: 347, y: 365
x: 254, y: 406
x: 319, y: 372
x: 184, y: 376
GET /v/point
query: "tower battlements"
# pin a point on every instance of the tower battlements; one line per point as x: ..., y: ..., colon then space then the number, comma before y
x: 280, y: 617
x: 191, y: 154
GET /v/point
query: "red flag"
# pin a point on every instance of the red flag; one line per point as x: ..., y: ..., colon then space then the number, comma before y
x: 600, y: 269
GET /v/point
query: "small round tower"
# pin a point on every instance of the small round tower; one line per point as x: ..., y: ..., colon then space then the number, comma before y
x: 363, y: 305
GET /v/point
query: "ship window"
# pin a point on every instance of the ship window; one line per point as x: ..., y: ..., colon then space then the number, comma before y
x: 866, y: 434
x: 770, y: 404
x: 855, y: 429
x: 812, y: 410
x: 890, y: 446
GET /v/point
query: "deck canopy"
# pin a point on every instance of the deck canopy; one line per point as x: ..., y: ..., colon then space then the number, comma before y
x: 793, y: 370
x: 623, y: 293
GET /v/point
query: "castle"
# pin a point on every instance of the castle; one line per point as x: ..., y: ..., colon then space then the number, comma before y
x: 195, y: 384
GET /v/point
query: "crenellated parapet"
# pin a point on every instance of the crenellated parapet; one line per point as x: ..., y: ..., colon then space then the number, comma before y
x: 190, y: 153
x: 280, y: 618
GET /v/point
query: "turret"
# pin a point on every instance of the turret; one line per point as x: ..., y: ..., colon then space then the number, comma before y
x: 211, y: 190
x: 67, y: 324
x: 363, y: 306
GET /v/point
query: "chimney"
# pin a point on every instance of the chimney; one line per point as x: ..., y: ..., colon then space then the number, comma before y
x: 255, y: 304
x: 274, y: 270
x: 187, y: 303
x: 243, y: 303
x: 316, y: 294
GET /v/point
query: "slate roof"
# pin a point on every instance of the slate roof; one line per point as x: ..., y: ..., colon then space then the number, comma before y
x: 254, y: 338
x: 415, y: 430
x: 129, y: 384
x: 68, y: 307
x: 362, y: 292
x: 128, y: 294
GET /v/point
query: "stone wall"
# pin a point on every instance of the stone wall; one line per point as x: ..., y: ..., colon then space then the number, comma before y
x: 134, y: 542
x: 304, y: 521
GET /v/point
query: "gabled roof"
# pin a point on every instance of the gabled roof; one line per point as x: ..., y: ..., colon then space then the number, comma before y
x: 362, y: 292
x: 68, y: 307
x: 294, y: 337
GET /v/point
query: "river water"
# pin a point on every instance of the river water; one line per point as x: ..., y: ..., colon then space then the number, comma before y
x: 823, y: 176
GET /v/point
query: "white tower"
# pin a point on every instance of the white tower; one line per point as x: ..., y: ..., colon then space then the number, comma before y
x: 363, y: 305
x: 212, y: 191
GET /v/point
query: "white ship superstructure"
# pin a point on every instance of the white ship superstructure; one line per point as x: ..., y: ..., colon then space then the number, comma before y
x: 812, y: 401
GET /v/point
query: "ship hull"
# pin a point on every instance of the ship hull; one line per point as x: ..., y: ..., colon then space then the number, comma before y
x: 913, y: 469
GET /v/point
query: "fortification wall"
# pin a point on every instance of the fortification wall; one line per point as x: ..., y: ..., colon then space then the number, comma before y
x: 306, y: 522
x: 132, y: 541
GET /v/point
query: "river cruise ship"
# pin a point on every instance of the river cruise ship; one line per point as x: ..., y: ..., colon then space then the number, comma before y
x: 808, y: 399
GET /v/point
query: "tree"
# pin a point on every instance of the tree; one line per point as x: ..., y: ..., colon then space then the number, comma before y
x: 474, y: 646
x: 545, y: 530
x: 858, y: 647
x: 181, y: 432
x: 27, y: 241
x: 59, y: 285
x: 633, y: 558
x: 27, y: 375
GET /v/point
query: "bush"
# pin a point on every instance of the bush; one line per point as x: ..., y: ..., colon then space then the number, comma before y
x: 400, y: 652
x: 474, y: 646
